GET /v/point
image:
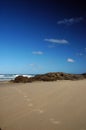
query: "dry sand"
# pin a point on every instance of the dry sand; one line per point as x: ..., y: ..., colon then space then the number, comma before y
x: 59, y: 105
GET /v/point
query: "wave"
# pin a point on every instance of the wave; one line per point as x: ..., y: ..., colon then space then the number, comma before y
x: 7, y: 77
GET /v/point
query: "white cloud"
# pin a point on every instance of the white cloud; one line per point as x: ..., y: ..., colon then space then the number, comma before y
x: 37, y: 52
x: 58, y: 41
x: 70, y: 21
x: 70, y: 60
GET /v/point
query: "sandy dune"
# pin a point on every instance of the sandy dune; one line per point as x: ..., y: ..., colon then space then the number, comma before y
x: 59, y: 105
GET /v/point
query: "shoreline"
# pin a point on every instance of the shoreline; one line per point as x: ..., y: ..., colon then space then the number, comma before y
x: 51, y: 76
x: 11, y: 82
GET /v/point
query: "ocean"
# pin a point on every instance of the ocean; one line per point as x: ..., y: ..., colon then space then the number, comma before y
x: 8, y: 77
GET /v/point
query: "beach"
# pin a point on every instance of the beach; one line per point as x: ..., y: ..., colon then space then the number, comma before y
x: 54, y: 105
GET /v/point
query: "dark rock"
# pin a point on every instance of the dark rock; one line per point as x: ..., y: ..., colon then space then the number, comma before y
x: 84, y: 74
x: 21, y: 79
x: 50, y: 77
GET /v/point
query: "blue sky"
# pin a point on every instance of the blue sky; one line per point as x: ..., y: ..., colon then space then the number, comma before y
x: 42, y: 36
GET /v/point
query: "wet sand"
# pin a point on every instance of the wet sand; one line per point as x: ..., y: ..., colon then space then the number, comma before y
x: 59, y: 105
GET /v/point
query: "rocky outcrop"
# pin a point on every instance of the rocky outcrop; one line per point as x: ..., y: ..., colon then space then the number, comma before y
x: 84, y: 74
x: 21, y: 79
x: 50, y: 77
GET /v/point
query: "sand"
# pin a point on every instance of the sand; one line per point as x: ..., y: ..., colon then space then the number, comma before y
x: 59, y: 105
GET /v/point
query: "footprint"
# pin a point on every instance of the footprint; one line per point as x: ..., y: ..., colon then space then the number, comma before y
x: 54, y: 121
x: 39, y: 111
x: 25, y: 96
x: 30, y: 104
x: 28, y: 99
x: 19, y: 90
